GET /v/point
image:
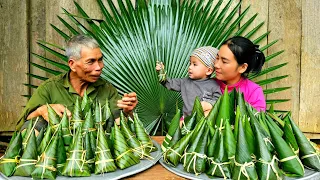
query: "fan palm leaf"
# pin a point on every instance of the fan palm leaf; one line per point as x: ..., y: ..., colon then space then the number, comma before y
x: 133, y: 38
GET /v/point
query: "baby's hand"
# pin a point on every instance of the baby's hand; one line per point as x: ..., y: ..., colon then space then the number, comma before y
x: 206, y: 106
x: 159, y: 66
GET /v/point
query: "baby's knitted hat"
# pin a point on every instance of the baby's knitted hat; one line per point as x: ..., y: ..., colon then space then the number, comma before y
x: 206, y: 54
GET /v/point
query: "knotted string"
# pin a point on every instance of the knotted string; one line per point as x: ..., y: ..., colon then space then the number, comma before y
x: 271, y: 164
x: 243, y: 169
x: 219, y: 165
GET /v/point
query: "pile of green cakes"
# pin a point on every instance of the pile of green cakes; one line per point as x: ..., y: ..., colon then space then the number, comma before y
x: 89, y: 142
x: 236, y: 142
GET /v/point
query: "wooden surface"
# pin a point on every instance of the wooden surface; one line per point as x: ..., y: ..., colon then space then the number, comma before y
x: 262, y: 16
x: 284, y: 22
x: 310, y: 68
x: 157, y: 171
x: 295, y: 23
x: 14, y: 61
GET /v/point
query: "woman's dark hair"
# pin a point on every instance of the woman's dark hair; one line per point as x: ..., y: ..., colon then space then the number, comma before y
x: 246, y: 52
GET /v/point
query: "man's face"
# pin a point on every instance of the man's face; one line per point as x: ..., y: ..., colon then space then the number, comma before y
x: 89, y: 67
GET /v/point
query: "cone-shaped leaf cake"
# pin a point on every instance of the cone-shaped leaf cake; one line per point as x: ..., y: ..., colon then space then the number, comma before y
x: 174, y: 126
x: 244, y: 167
x: 46, y: 167
x: 229, y: 141
x: 188, y: 124
x: 76, y: 165
x: 197, y: 108
x: 225, y: 109
x: 85, y: 104
x: 29, y: 157
x: 194, y: 159
x: 289, y: 136
x: 61, y: 152
x: 104, y: 161
x: 54, y: 119
x: 309, y: 156
x: 76, y: 119
x: 267, y: 164
x: 137, y: 147
x: 212, y: 116
x: 290, y: 162
x: 174, y: 154
x: 40, y: 136
x: 124, y: 156
x: 142, y: 135
x: 89, y: 152
x: 27, y: 134
x: 46, y: 139
x: 65, y: 127
x: 10, y: 158
x: 219, y: 164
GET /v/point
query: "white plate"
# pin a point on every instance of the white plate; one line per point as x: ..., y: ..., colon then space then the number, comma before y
x: 308, y: 175
x: 118, y: 174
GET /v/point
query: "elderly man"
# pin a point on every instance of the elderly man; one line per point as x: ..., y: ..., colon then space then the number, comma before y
x: 86, y: 64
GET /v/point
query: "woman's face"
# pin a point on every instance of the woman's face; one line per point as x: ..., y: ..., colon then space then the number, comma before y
x: 226, y: 66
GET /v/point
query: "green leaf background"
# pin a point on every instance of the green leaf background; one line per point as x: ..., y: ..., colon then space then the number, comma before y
x: 133, y: 38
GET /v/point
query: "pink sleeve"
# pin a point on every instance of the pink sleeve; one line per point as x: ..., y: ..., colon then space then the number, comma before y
x: 257, y: 99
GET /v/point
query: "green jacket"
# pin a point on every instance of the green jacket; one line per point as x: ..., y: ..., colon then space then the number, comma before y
x: 58, y: 90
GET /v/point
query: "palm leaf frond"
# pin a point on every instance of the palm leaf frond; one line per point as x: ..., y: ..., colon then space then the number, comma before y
x: 133, y: 38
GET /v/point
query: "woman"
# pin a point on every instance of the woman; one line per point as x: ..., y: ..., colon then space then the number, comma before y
x: 238, y: 57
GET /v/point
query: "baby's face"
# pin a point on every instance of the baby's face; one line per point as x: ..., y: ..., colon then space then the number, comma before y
x: 197, y: 70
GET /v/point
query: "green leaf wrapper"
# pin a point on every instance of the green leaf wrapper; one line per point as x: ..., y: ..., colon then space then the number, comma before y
x: 267, y: 164
x: 142, y: 135
x: 219, y: 164
x: 124, y: 156
x: 174, y: 153
x: 225, y: 110
x: 289, y: 136
x: 197, y: 108
x: 76, y: 119
x: 54, y: 118
x: 194, y: 159
x: 244, y: 167
x: 76, y: 165
x: 309, y: 156
x: 10, y: 159
x: 104, y: 161
x: 290, y: 162
x: 137, y: 147
x: 46, y: 167
x: 174, y: 126
x: 45, y: 141
x: 188, y: 124
x: 29, y: 157
x: 212, y: 116
x: 65, y: 128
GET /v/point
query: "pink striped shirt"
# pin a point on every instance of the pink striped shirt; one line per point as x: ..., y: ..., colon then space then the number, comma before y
x: 252, y: 92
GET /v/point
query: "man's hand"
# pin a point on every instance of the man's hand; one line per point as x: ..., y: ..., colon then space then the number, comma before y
x: 43, y: 111
x: 128, y: 102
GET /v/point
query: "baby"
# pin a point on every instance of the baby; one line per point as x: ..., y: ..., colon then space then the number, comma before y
x: 198, y: 83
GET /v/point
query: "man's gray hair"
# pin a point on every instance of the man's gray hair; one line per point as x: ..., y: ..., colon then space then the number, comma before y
x: 76, y: 43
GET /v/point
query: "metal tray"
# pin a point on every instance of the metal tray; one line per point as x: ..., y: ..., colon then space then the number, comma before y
x: 118, y: 174
x: 309, y: 174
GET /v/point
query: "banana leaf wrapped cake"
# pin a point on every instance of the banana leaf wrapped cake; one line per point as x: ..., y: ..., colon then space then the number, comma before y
x: 11, y: 158
x: 242, y: 143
